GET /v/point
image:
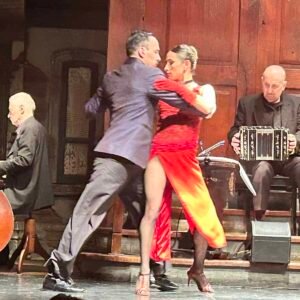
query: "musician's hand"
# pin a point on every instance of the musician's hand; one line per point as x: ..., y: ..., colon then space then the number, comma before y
x: 235, y: 143
x: 292, y: 142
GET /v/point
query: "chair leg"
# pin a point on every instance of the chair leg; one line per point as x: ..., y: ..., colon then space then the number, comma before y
x: 23, y: 255
x: 38, y: 249
x: 294, y: 210
x: 29, y: 244
x: 17, y: 252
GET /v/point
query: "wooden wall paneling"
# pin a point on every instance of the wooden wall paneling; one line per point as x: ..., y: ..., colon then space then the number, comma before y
x: 212, y: 27
x: 249, y: 16
x: 215, y: 129
x: 289, y: 52
x: 156, y: 21
x: 293, y: 76
x: 267, y: 36
x: 128, y: 15
x: 124, y: 17
x: 289, y: 42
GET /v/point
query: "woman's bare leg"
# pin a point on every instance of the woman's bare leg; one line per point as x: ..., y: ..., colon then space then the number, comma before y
x: 155, y: 181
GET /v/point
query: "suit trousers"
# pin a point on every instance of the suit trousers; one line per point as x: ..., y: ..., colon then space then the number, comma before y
x: 134, y: 199
x: 264, y: 171
x: 110, y: 176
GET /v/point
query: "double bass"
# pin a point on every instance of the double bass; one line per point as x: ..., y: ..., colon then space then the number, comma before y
x: 6, y: 221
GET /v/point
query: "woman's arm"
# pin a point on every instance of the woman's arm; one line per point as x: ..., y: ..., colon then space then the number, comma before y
x: 203, y: 103
x: 206, y: 99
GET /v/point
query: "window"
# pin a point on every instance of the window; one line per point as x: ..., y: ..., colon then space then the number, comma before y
x: 75, y: 131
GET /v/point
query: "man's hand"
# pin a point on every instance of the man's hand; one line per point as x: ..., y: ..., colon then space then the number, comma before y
x: 292, y: 142
x: 236, y: 143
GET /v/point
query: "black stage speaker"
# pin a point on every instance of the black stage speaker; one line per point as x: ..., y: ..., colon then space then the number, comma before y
x: 271, y: 242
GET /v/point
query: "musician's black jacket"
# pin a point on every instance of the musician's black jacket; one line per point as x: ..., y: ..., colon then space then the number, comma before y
x: 252, y: 111
x: 28, y: 183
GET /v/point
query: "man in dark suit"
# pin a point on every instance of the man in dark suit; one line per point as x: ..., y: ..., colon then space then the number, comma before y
x: 122, y: 153
x: 273, y: 107
x: 26, y: 171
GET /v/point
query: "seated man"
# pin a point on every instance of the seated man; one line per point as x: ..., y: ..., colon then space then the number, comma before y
x: 273, y: 107
x: 26, y: 171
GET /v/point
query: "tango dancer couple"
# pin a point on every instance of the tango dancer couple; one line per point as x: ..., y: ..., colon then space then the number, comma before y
x: 132, y: 93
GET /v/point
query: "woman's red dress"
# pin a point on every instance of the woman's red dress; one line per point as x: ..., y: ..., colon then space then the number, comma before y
x: 176, y: 144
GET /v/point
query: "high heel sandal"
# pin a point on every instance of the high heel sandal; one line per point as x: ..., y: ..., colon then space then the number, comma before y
x: 142, y: 287
x: 201, y: 281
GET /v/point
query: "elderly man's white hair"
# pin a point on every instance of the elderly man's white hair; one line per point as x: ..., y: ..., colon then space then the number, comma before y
x: 23, y: 99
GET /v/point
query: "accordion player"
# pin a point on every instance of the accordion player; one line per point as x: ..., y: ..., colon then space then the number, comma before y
x: 264, y: 143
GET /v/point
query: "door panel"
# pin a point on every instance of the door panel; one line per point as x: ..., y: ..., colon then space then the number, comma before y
x: 124, y: 17
x: 213, y: 130
x: 289, y: 42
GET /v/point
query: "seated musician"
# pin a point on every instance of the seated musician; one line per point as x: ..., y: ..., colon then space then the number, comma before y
x: 26, y: 171
x: 273, y: 107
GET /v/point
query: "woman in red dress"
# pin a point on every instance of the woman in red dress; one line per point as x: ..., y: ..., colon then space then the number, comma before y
x: 173, y: 166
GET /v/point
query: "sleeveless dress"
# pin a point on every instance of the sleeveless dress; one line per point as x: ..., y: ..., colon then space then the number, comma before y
x: 175, y: 144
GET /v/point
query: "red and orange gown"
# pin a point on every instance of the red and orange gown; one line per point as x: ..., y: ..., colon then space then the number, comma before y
x: 176, y: 143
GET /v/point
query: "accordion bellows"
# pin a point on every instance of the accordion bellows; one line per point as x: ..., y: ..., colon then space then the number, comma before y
x: 264, y: 143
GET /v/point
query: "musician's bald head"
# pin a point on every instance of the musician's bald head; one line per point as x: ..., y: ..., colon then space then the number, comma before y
x: 273, y: 83
x: 275, y: 70
x: 21, y: 107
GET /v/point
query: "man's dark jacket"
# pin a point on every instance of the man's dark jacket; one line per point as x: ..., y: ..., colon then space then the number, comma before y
x: 252, y: 112
x: 27, y: 170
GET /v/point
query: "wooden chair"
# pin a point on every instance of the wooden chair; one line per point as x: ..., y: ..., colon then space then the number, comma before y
x: 281, y: 185
x: 29, y: 244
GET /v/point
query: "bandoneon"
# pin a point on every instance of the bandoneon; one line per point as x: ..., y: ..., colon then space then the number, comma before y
x: 263, y: 143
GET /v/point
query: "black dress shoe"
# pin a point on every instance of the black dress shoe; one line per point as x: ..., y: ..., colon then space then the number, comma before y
x: 163, y: 283
x: 56, y: 284
x: 56, y: 272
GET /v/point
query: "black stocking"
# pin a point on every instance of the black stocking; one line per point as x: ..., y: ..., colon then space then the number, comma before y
x: 199, y: 253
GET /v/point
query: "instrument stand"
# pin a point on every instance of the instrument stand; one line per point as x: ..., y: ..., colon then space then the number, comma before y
x: 29, y: 244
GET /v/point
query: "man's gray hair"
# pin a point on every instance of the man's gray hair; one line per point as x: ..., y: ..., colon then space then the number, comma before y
x: 135, y: 39
x: 23, y: 99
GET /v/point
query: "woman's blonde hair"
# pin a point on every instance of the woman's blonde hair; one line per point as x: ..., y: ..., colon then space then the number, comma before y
x: 187, y: 52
